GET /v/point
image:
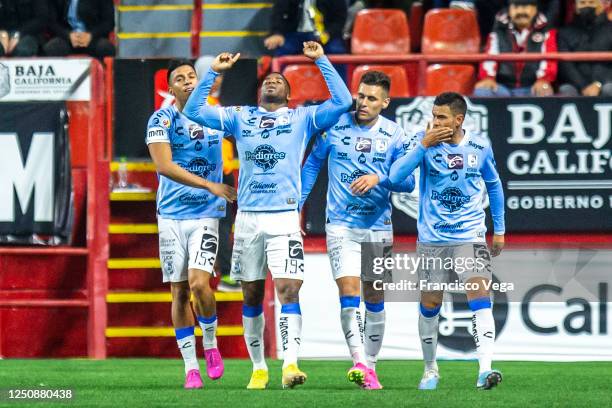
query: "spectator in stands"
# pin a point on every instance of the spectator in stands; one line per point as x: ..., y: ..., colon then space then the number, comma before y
x: 296, y: 21
x: 81, y: 27
x: 21, y: 26
x: 589, y: 31
x: 521, y: 30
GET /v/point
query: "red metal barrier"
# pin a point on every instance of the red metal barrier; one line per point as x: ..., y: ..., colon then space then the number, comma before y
x: 196, y: 27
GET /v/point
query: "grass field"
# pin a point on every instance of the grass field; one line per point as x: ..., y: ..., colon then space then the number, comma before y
x: 158, y: 383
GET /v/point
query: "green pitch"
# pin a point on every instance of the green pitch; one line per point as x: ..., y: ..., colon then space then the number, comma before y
x: 158, y: 383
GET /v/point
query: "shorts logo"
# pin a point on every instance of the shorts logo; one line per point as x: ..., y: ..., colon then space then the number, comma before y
x: 265, y: 157
x: 201, y: 167
x: 196, y: 132
x: 267, y: 122
x: 381, y: 145
x: 364, y: 145
x: 451, y: 198
x: 209, y: 243
x: 296, y: 251
x: 472, y: 160
x: 454, y: 161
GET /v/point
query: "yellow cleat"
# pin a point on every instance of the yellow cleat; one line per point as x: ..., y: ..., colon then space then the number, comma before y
x: 292, y: 376
x: 259, y: 380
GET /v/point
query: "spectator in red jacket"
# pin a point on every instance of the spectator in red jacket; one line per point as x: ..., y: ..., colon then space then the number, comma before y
x: 519, y: 30
x: 589, y: 31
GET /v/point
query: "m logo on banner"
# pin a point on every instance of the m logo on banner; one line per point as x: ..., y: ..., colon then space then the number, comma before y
x: 27, y: 177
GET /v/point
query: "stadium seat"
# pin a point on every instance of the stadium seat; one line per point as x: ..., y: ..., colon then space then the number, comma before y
x: 450, y: 31
x: 449, y: 78
x: 306, y: 83
x: 397, y: 73
x: 416, y: 25
x: 380, y: 31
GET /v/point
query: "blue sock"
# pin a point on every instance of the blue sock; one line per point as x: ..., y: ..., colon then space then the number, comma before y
x: 479, y: 303
x: 429, y: 313
x: 252, y: 311
x: 375, y: 307
x: 291, y: 308
x: 349, y: 301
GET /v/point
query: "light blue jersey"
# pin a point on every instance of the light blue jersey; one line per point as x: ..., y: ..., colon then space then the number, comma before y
x: 197, y: 150
x: 270, y: 145
x: 453, y: 180
x: 354, y: 151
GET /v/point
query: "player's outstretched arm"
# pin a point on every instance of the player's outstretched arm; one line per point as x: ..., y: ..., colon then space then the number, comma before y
x: 162, y: 157
x: 310, y: 172
x: 496, y: 201
x: 341, y: 100
x: 196, y: 108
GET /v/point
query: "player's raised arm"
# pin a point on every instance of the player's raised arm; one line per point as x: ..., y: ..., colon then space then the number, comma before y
x: 196, y: 108
x: 329, y: 111
x: 496, y: 201
x: 312, y: 167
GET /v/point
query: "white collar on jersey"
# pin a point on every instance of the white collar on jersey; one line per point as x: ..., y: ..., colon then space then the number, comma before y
x: 279, y: 110
x: 365, y: 128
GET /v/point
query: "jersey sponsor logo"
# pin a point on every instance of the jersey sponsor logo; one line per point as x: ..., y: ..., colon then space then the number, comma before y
x: 451, y: 198
x: 364, y: 144
x: 156, y: 133
x: 349, y: 178
x: 212, y: 141
x: 209, y: 243
x: 189, y: 198
x: 265, y: 157
x: 166, y: 122
x: 342, y: 127
x: 283, y: 120
x: 406, y: 147
x: 198, y: 146
x: 282, y: 131
x: 454, y: 161
x: 296, y: 251
x: 201, y: 167
x: 196, y: 132
x: 361, y: 159
x: 444, y: 226
x: 475, y: 146
x: 265, y: 134
x: 257, y: 187
x: 454, y: 175
x: 438, y: 158
x: 381, y: 145
x: 434, y: 173
x: 247, y: 133
x: 384, y: 132
x: 342, y: 156
x: 360, y: 209
x: 267, y: 122
x: 178, y: 146
x: 251, y: 121
x: 378, y: 159
x: 472, y: 160
x: 346, y: 140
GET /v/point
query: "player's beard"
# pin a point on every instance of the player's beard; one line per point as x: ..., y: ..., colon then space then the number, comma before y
x: 276, y: 99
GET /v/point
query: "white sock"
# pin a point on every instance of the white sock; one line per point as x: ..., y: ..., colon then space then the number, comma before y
x: 187, y: 346
x: 483, y: 330
x: 253, y: 323
x: 428, y: 332
x: 290, y: 325
x: 209, y: 331
x: 374, y: 332
x: 352, y: 327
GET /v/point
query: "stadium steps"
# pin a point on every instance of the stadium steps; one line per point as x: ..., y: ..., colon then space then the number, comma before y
x: 149, y: 30
x: 139, y: 318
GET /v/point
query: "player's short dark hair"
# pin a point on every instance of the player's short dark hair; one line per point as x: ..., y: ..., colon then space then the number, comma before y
x: 376, y: 78
x: 175, y: 63
x: 456, y: 102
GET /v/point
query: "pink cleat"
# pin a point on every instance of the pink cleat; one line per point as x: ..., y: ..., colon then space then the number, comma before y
x: 357, y: 374
x: 193, y: 380
x: 371, y: 381
x: 214, y: 364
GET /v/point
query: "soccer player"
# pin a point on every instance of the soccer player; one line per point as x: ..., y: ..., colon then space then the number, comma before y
x: 456, y: 167
x: 360, y: 149
x: 271, y: 140
x: 190, y: 201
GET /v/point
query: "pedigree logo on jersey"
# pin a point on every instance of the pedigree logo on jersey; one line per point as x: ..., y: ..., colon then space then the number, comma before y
x: 454, y: 161
x: 349, y: 178
x: 264, y: 157
x: 201, y: 167
x: 364, y: 145
x: 451, y: 198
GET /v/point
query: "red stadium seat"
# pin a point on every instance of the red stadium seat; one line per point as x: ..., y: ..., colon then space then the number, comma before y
x: 450, y: 31
x: 380, y: 31
x: 306, y: 83
x: 397, y: 73
x: 449, y: 78
x: 416, y: 25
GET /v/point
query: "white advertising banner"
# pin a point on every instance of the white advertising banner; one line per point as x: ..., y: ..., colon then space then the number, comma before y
x: 539, y: 325
x: 44, y: 79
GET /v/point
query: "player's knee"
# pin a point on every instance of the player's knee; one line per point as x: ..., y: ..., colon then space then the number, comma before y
x: 201, y: 289
x: 289, y: 293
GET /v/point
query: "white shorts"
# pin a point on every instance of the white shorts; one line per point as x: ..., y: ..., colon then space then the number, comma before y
x: 344, y: 248
x: 187, y: 244
x: 271, y: 239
